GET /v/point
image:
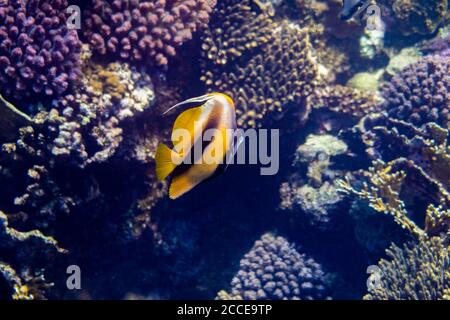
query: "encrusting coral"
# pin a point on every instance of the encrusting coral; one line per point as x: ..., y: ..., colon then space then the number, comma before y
x: 38, y: 53
x: 273, y: 269
x: 143, y: 31
x: 415, y: 271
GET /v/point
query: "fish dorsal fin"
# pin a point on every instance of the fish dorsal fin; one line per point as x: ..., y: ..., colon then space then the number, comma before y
x: 186, y: 122
x: 201, y: 100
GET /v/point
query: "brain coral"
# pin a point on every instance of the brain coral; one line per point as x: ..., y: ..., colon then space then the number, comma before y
x: 38, y: 53
x: 274, y: 77
x: 273, y: 269
x: 143, y: 30
x: 421, y: 92
x: 418, y: 271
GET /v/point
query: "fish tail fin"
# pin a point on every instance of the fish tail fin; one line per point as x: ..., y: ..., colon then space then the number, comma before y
x: 179, y: 186
x: 164, y: 163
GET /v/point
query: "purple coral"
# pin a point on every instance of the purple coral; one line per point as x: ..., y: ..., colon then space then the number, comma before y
x: 144, y: 30
x: 421, y: 92
x: 38, y: 53
x: 274, y: 270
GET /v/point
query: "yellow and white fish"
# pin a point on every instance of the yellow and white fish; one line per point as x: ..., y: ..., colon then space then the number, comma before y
x: 216, y: 113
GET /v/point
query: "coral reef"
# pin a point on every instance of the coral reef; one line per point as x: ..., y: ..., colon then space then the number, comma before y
x: 364, y: 129
x: 419, y: 16
x: 246, y: 28
x: 23, y: 248
x: 273, y: 269
x: 415, y: 172
x: 346, y: 100
x: 416, y: 271
x: 421, y: 92
x: 143, y: 31
x: 11, y: 119
x: 317, y: 194
x: 38, y: 53
x: 109, y: 96
x: 278, y: 75
x: 403, y: 59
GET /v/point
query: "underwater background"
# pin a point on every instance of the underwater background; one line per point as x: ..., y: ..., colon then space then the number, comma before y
x: 360, y: 206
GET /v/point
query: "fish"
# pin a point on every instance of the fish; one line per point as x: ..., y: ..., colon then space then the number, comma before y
x: 352, y: 8
x: 190, y: 168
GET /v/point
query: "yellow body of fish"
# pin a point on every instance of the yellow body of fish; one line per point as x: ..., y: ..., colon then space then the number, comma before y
x: 216, y: 112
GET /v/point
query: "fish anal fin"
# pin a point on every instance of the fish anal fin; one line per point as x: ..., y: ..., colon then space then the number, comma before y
x: 164, y: 161
x: 179, y: 186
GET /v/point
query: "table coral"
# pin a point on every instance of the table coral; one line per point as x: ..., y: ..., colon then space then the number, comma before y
x: 38, y: 53
x: 143, y: 31
x: 273, y: 269
x: 415, y: 271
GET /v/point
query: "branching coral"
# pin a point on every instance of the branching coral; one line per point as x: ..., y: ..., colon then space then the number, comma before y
x: 416, y: 271
x: 143, y: 31
x: 410, y: 175
x: 421, y: 92
x: 277, y: 77
x: 38, y: 53
x: 273, y: 269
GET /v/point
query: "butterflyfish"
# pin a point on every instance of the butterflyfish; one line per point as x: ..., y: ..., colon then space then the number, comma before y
x: 203, y: 139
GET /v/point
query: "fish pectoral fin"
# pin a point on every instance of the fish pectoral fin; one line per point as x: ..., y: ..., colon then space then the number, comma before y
x: 164, y: 161
x: 185, y: 121
x: 179, y: 186
x: 238, y: 138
